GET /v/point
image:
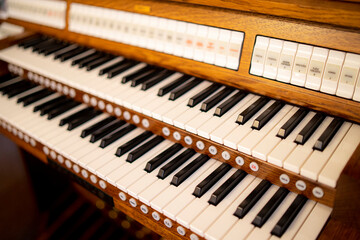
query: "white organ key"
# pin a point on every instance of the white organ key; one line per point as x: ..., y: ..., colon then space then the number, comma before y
x: 332, y: 71
x: 318, y: 159
x: 301, y: 64
x: 348, y: 76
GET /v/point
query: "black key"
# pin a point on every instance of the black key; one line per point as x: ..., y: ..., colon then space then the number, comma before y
x: 102, y: 132
x: 251, y: 110
x: 35, y: 42
x: 82, y: 59
x: 114, y: 136
x: 194, y: 100
x: 43, y: 45
x: 328, y: 134
x: 9, y: 82
x: 73, y: 116
x: 50, y: 46
x: 24, y: 98
x: 246, y: 205
x: 114, y: 72
x: 295, y: 119
x: 79, y: 121
x: 228, y: 104
x: 90, y: 130
x: 141, y: 79
x: 52, y: 101
x: 99, y: 62
x: 138, y: 73
x: 64, y: 108
x: 30, y: 40
x: 174, y: 84
x: 289, y: 216
x: 270, y: 207
x: 309, y: 129
x: 37, y: 96
x: 75, y: 52
x: 184, y: 89
x: 162, y: 157
x: 50, y: 107
x: 56, y: 49
x: 215, y: 99
x: 175, y: 163
x: 227, y: 187
x: 265, y: 116
x: 6, y: 77
x: 20, y: 89
x: 90, y: 60
x: 156, y: 79
x: 210, y: 180
x: 133, y: 143
x: 144, y: 148
x: 112, y: 66
x: 5, y: 89
x: 59, y: 54
x: 189, y: 169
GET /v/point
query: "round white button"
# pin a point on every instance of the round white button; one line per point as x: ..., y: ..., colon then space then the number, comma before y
x: 109, y: 108
x: 194, y: 237
x: 14, y: 131
x: 177, y: 136
x: 52, y: 154
x: 59, y: 87
x: 117, y: 112
x: 188, y: 140
x: 46, y: 150
x: 254, y: 166
x: 144, y: 209
x: 225, y: 155
x: 168, y: 223
x: 181, y: 230
x: 66, y: 90
x: 76, y: 168
x: 166, y: 131
x: 21, y: 71
x: 20, y: 135
x: 102, y: 184
x: 284, y: 178
x: 93, y: 179
x: 53, y: 85
x: 127, y: 115
x: 84, y: 173
x: 239, y: 161
x: 9, y: 128
x: 122, y: 196
x: 60, y: 159
x: 40, y: 79
x: 145, y: 123
x: 301, y: 185
x: 32, y: 142
x: 101, y: 105
x: 26, y: 138
x: 213, y: 150
x: 155, y: 216
x: 136, y: 119
x: 200, y: 145
x: 93, y: 101
x: 46, y: 82
x: 72, y: 93
x: 30, y: 75
x: 132, y: 202
x: 68, y: 163
x: 318, y: 192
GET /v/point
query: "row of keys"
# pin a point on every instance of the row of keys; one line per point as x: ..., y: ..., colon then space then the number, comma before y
x: 187, y: 187
x: 212, y: 45
x: 329, y: 71
x: 44, y: 12
x: 267, y: 129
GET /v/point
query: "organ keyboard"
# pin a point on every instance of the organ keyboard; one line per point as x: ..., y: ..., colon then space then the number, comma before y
x: 148, y: 132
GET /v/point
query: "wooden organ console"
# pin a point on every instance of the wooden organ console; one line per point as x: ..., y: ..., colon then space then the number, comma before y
x: 273, y: 89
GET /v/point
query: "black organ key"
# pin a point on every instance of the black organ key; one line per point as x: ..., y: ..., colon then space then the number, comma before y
x: 20, y: 89
x: 144, y: 148
x: 114, y: 72
x: 35, y: 42
x: 289, y: 216
x: 78, y: 122
x: 251, y: 110
x: 59, y: 54
x: 52, y: 101
x: 227, y: 187
x: 4, y: 85
x: 30, y: 40
x: 112, y: 66
x: 228, y: 104
x: 90, y: 130
x: 215, y: 99
x: 42, y: 45
x: 138, y: 73
x: 102, y: 132
x: 99, y: 62
x: 126, y: 147
x: 264, y: 117
x: 76, y: 115
x: 309, y: 129
x: 60, y: 110
x: 328, y: 134
x: 57, y: 48
x: 36, y: 96
x: 156, y: 79
x: 295, y: 119
x: 210, y: 180
x: 5, y: 89
x: 106, y: 141
x: 84, y: 58
x: 48, y: 108
x: 141, y: 79
x: 90, y: 60
x: 162, y: 157
x: 270, y: 207
x: 174, y: 84
x: 6, y: 77
x: 175, y: 163
x: 189, y: 169
x: 194, y: 100
x: 246, y: 205
x: 75, y: 52
x: 48, y: 47
x: 184, y: 89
